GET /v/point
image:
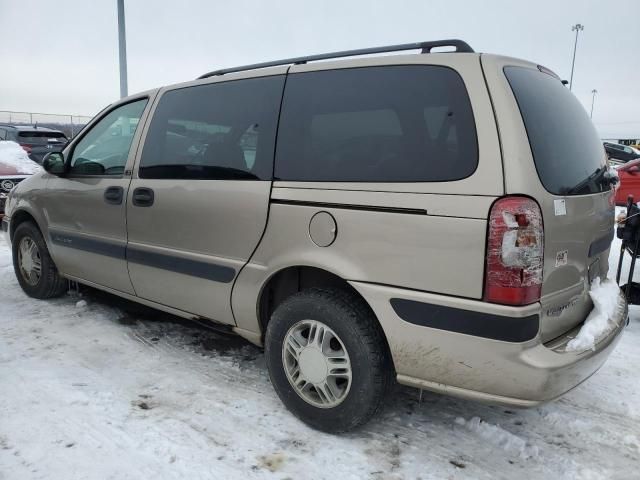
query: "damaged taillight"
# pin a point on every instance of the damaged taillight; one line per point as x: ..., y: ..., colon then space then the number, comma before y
x: 515, y: 252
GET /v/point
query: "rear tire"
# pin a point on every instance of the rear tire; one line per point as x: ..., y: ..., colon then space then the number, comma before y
x: 33, y: 266
x: 339, y: 329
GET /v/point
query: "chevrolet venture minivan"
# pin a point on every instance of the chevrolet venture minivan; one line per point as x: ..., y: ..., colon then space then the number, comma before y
x: 434, y: 219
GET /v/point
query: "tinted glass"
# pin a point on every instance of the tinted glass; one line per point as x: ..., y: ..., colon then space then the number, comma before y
x: 42, y: 138
x: 566, y: 148
x: 213, y: 132
x: 105, y: 148
x: 376, y: 124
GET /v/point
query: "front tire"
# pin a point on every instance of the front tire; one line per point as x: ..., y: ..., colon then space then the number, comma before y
x: 327, y: 359
x: 33, y: 266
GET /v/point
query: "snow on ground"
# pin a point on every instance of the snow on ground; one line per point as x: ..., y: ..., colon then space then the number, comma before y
x: 12, y: 155
x: 93, y: 388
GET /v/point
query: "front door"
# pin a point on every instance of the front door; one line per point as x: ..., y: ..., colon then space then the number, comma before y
x: 199, y: 198
x: 86, y: 210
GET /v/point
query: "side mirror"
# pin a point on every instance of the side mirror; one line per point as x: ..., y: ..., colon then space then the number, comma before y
x: 53, y: 163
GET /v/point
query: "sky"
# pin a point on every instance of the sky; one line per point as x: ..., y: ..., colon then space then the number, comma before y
x: 62, y: 56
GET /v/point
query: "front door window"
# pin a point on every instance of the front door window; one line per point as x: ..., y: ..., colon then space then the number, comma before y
x: 105, y: 148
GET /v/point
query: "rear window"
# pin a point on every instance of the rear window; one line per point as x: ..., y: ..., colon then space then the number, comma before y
x: 566, y: 148
x: 41, y: 138
x: 409, y: 123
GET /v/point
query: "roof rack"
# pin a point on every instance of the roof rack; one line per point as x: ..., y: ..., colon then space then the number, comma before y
x: 426, y: 47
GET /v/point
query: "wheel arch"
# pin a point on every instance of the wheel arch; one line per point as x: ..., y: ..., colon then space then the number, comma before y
x: 292, y: 279
x: 20, y: 216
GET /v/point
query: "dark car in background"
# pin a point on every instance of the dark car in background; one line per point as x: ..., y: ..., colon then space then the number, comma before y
x: 36, y: 141
x: 621, y: 153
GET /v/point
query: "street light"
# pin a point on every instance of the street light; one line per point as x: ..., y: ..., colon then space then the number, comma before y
x: 122, y: 50
x: 577, y: 28
x: 593, y: 99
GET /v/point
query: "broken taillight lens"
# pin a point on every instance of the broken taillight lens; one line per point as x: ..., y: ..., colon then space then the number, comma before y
x: 515, y: 252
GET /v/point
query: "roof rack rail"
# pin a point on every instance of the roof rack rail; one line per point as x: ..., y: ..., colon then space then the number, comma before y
x: 426, y: 47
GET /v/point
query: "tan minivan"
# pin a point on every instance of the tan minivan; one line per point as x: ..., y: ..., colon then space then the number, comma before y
x: 433, y: 218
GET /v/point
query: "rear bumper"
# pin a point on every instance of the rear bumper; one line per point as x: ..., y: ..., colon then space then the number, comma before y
x: 460, y: 353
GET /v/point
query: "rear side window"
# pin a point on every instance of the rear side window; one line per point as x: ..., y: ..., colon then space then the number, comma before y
x: 566, y: 148
x: 409, y: 123
x: 221, y: 131
x: 41, y: 138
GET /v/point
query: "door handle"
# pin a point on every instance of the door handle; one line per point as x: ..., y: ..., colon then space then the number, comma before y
x: 143, y: 197
x: 114, y: 195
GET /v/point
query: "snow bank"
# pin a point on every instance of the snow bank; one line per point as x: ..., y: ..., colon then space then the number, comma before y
x: 499, y: 437
x: 606, y: 300
x: 13, y: 155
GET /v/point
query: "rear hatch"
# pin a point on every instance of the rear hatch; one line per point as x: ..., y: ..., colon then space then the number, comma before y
x: 39, y: 143
x: 570, y: 182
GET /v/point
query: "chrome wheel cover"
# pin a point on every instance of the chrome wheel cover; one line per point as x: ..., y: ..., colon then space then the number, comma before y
x: 29, y: 261
x: 316, y: 363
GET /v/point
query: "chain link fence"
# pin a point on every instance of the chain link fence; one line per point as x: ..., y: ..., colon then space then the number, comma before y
x: 69, y: 124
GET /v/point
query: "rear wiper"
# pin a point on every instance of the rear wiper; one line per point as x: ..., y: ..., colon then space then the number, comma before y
x: 595, y: 177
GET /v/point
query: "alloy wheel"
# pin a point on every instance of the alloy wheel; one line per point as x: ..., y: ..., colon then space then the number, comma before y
x: 316, y: 363
x: 29, y: 261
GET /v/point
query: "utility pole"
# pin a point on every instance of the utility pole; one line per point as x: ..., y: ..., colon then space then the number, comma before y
x: 593, y: 99
x: 122, y: 50
x: 577, y: 28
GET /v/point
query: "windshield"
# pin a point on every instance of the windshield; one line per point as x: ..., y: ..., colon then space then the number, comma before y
x: 565, y: 145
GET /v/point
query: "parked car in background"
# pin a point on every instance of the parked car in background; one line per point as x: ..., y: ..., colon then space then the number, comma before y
x: 15, y: 166
x: 620, y: 153
x: 629, y: 175
x: 36, y: 141
x: 417, y: 217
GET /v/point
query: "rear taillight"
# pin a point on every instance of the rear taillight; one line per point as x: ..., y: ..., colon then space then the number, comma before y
x: 515, y: 252
x: 26, y: 148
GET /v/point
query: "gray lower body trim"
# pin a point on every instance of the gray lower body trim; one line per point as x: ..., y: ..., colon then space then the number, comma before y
x: 469, y: 322
x: 111, y: 248
x: 601, y: 244
x: 195, y: 268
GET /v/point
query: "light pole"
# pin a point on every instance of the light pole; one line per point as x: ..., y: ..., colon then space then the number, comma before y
x: 122, y: 50
x: 593, y: 99
x: 577, y: 28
